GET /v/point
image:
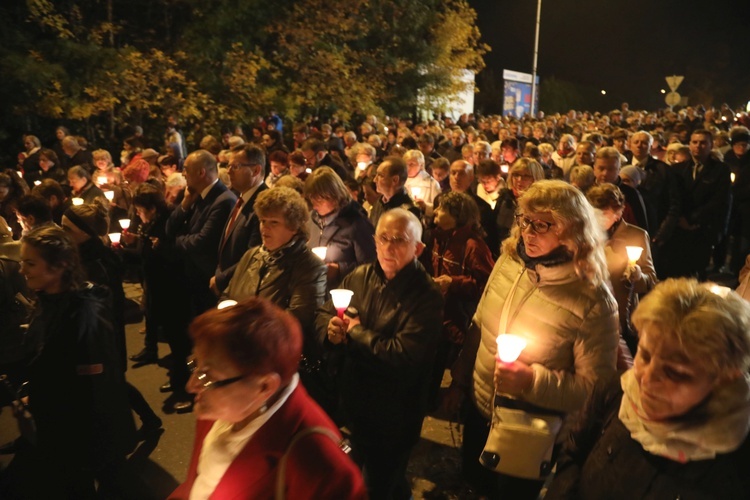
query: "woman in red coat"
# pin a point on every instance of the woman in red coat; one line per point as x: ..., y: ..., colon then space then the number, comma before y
x: 258, y: 430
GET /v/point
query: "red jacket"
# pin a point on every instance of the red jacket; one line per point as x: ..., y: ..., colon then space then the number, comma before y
x: 315, y: 469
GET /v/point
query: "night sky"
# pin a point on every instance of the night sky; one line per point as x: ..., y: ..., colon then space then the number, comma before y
x: 625, y: 47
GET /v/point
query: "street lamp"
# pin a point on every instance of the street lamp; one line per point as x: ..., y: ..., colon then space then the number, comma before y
x: 536, y: 55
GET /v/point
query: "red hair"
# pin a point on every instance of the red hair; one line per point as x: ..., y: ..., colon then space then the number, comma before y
x: 258, y: 337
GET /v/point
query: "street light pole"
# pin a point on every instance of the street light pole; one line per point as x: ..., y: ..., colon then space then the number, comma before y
x: 536, y: 55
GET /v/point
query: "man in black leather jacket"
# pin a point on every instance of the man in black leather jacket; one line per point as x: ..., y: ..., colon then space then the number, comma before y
x: 388, y: 348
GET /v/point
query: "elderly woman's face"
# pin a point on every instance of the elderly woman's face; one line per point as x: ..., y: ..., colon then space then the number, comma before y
x: 274, y: 231
x: 233, y: 402
x: 671, y: 385
x: 542, y: 240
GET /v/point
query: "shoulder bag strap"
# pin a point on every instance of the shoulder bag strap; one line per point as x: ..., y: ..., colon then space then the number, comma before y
x: 281, y: 474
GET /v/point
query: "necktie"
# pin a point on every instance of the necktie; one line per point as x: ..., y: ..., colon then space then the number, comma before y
x: 233, y: 216
x: 697, y: 170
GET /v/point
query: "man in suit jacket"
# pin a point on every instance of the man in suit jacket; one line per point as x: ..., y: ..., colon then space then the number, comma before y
x: 195, y: 226
x: 707, y: 196
x: 242, y: 229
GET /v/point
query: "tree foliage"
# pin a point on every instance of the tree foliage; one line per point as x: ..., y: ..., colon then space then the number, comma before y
x: 208, y: 61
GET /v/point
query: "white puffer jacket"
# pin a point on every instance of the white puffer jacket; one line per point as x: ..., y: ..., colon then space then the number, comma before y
x: 571, y: 330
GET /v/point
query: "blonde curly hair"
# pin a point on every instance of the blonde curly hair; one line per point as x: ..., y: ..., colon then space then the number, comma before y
x: 579, y: 230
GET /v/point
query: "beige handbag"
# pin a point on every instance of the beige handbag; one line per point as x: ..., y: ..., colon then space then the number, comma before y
x: 521, y: 439
x: 522, y: 435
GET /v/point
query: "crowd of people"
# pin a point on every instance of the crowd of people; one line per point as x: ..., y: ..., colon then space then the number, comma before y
x: 586, y: 237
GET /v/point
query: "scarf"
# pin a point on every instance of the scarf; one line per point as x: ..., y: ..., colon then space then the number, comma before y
x: 718, y: 425
x: 558, y: 256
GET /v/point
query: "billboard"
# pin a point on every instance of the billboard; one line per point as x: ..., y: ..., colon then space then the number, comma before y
x: 517, y: 95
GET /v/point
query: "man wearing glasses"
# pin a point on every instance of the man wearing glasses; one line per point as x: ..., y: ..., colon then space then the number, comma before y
x: 387, y: 339
x: 316, y: 155
x: 242, y: 229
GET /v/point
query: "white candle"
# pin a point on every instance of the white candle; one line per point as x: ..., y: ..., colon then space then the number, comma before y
x: 110, y: 195
x: 114, y: 238
x: 77, y: 201
x: 509, y: 347
x: 320, y: 252
x: 36, y: 183
x: 341, y: 299
x: 102, y: 179
x: 124, y: 223
x: 634, y: 253
x: 226, y: 303
x: 416, y: 193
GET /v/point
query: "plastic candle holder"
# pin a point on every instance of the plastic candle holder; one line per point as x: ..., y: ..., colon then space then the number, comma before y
x: 124, y: 223
x: 320, y: 252
x: 509, y: 347
x: 341, y: 299
x: 634, y: 253
x: 77, y: 201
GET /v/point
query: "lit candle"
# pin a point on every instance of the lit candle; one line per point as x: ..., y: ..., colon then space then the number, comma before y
x: 226, y: 303
x: 110, y: 195
x: 509, y: 347
x: 36, y: 183
x: 361, y: 165
x: 114, y: 238
x: 416, y: 193
x: 124, y: 223
x: 732, y: 176
x: 719, y: 290
x: 77, y: 201
x: 308, y: 170
x: 102, y: 179
x: 320, y: 252
x: 634, y: 253
x: 20, y: 174
x: 341, y: 299
x: 504, y: 169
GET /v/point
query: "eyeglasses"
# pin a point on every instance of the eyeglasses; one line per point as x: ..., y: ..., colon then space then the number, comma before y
x: 384, y: 239
x: 523, y: 177
x: 538, y: 226
x: 203, y: 377
x: 235, y: 166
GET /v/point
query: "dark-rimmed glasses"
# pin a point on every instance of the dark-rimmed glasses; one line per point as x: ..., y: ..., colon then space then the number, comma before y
x: 205, y: 381
x: 538, y: 226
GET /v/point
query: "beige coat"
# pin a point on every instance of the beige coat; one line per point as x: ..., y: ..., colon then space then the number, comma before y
x: 571, y: 330
x: 617, y: 263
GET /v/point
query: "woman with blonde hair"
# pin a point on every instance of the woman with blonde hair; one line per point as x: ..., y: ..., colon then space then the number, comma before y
x: 676, y: 424
x: 548, y: 288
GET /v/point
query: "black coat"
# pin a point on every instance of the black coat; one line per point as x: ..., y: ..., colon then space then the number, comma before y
x: 707, y: 199
x: 244, y: 235
x: 348, y: 237
x: 400, y: 199
x: 292, y: 277
x: 601, y: 460
x: 662, y: 197
x: 77, y: 388
x: 388, y: 358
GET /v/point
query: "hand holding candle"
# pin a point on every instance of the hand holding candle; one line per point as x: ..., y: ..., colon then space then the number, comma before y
x: 511, y: 376
x: 634, y: 253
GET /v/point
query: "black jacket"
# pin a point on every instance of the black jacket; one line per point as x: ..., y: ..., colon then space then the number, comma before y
x: 707, y: 199
x: 601, y: 460
x: 662, y: 198
x: 77, y: 388
x: 388, y: 358
x: 400, y: 199
x: 291, y: 277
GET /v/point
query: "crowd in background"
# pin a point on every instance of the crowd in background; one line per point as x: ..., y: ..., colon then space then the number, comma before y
x: 429, y: 223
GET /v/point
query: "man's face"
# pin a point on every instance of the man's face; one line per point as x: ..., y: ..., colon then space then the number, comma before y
x: 700, y: 146
x: 462, y: 175
x: 193, y: 174
x: 242, y: 173
x: 385, y: 183
x: 396, y: 247
x: 740, y: 148
x: 76, y: 183
x: 584, y: 155
x: 490, y: 183
x: 480, y: 154
x: 639, y: 146
x: 457, y: 139
x: 299, y: 137
x: 426, y: 148
x: 311, y: 159
x: 606, y: 170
